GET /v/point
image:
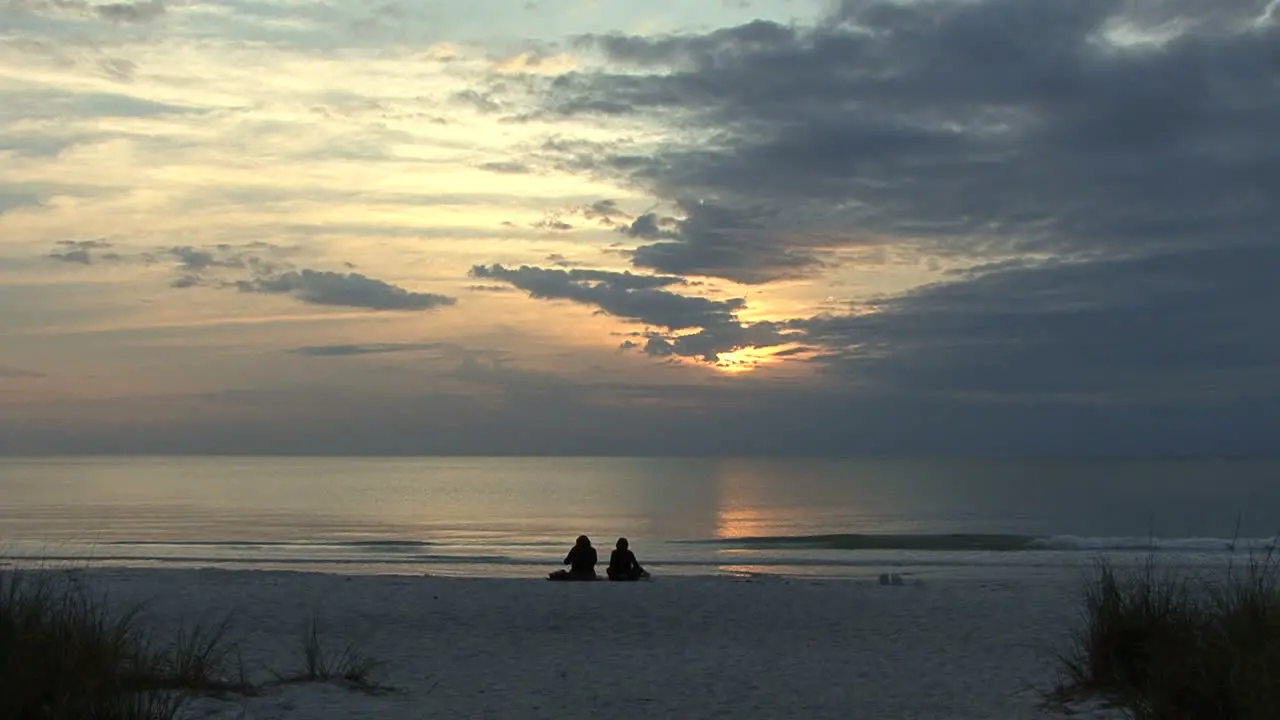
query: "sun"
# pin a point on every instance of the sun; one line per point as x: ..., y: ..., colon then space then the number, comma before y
x: 751, y: 358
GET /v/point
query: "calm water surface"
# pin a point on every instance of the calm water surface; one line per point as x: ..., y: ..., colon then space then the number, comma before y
x: 516, y: 517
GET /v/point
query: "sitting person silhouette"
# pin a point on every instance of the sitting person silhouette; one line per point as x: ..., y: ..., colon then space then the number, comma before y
x: 581, y: 560
x: 623, y: 564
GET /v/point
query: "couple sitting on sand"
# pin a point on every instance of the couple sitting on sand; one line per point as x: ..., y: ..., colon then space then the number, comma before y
x: 582, y: 563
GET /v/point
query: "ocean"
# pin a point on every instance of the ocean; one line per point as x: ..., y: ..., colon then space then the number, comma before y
x: 516, y: 517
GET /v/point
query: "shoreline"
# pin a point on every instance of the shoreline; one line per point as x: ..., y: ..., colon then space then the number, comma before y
x: 927, y: 567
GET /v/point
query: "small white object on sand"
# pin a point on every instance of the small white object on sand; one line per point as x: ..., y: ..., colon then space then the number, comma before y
x: 688, y: 647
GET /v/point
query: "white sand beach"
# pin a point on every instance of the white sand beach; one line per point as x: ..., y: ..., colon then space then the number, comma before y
x: 687, y: 647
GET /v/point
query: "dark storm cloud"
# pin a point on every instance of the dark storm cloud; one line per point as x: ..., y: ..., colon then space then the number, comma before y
x: 708, y: 343
x: 646, y: 299
x: 646, y: 226
x: 969, y: 127
x: 718, y: 240
x: 319, y: 287
x: 621, y: 294
x: 1187, y: 326
x: 998, y: 132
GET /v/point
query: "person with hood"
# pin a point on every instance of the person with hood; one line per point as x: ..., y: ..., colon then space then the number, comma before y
x: 581, y: 560
x: 623, y: 564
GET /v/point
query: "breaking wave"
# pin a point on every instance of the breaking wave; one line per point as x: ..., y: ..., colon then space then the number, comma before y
x: 997, y: 543
x: 388, y: 545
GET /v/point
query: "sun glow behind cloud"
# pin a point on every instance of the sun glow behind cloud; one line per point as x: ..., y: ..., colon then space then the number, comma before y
x: 749, y: 359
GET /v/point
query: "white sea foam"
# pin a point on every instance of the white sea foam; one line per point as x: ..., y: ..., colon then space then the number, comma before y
x: 1186, y: 544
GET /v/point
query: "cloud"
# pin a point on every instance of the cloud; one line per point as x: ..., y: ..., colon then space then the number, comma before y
x: 1129, y: 143
x: 199, y: 265
x: 646, y: 299
x: 85, y: 244
x: 8, y: 372
x: 196, y: 260
x: 622, y: 294
x: 650, y: 226
x: 122, y: 12
x: 81, y: 257
x: 1181, y: 328
x: 552, y: 223
x: 1090, y: 182
x: 118, y: 69
x: 507, y: 168
x: 80, y: 251
x: 56, y: 105
x: 193, y: 264
x: 269, y: 273
x: 713, y: 340
x: 722, y: 241
x: 964, y: 128
x: 367, y: 349
x: 133, y: 12
x: 561, y: 261
x: 606, y: 212
x: 11, y: 199
x: 526, y: 413
x: 477, y: 100
x: 320, y: 287
x: 536, y: 61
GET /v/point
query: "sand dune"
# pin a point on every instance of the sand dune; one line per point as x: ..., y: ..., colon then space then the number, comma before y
x: 673, y: 648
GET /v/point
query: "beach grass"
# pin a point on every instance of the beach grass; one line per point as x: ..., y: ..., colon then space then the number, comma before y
x: 1163, y: 644
x: 66, y: 653
x: 320, y: 664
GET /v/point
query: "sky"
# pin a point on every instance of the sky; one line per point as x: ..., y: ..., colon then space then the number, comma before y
x: 724, y: 227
